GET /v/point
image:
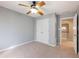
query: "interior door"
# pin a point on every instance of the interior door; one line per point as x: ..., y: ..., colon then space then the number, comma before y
x: 42, y: 29
x: 75, y: 39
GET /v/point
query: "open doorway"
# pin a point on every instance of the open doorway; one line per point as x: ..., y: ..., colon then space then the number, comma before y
x: 68, y: 33
x: 66, y: 40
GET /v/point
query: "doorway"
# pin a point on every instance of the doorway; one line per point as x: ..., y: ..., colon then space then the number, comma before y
x: 66, y: 40
x: 69, y: 33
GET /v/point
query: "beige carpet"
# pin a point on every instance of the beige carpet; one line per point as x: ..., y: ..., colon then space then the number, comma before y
x: 38, y: 50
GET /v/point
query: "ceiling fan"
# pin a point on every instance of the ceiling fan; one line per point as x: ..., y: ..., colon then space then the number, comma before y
x: 35, y: 7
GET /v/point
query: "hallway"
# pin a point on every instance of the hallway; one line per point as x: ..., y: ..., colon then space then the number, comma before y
x: 67, y: 44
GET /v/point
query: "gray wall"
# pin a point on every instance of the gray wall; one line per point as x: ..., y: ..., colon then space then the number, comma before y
x: 15, y: 28
x: 52, y: 29
x: 67, y: 14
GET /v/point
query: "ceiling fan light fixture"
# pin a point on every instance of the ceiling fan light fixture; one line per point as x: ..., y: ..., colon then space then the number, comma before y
x: 33, y: 11
x: 37, y: 7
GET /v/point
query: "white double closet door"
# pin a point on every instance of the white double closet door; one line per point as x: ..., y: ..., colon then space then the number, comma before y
x: 42, y: 30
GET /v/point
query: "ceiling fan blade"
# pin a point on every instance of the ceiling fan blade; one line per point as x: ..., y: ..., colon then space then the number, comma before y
x: 24, y: 5
x: 41, y: 12
x: 28, y: 12
x: 40, y: 4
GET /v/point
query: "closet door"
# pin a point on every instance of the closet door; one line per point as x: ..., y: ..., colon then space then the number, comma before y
x: 42, y: 34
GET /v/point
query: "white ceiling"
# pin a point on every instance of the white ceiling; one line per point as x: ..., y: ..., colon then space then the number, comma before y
x: 51, y: 6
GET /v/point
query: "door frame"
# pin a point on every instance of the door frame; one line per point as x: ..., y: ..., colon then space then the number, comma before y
x: 77, y: 33
x: 60, y: 28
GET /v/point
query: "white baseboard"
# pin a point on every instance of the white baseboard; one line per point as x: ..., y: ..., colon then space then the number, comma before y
x: 53, y: 45
x: 12, y: 47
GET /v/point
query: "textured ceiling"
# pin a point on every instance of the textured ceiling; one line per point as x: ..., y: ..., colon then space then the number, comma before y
x: 51, y: 6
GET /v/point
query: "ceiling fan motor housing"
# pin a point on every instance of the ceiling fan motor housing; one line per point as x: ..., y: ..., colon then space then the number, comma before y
x: 34, y: 3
